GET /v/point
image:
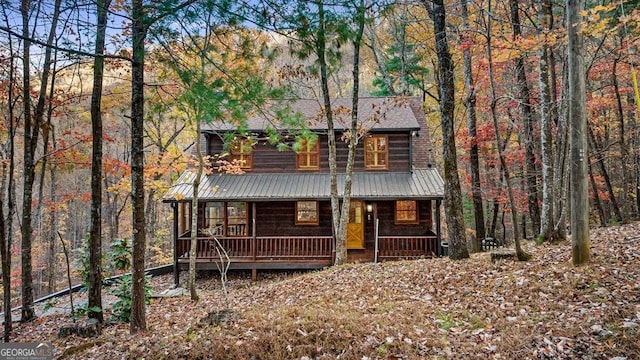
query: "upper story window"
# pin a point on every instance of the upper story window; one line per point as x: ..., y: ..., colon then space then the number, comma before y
x: 376, y: 152
x: 241, y: 150
x: 308, y: 156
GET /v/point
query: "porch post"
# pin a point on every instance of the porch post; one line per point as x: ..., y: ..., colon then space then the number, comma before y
x: 438, y: 227
x: 253, y: 231
x: 176, y: 270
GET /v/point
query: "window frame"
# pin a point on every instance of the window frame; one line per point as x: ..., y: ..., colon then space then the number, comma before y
x: 376, y: 153
x: 227, y: 224
x: 204, y: 218
x: 396, y: 210
x: 245, y: 159
x: 207, y: 219
x: 305, y: 222
x: 307, y: 154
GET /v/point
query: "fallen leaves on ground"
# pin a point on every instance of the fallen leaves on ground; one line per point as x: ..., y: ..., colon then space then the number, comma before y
x: 435, y: 308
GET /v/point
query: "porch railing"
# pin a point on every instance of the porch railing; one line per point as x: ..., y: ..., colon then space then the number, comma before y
x: 407, y: 247
x: 283, y: 248
x: 260, y: 248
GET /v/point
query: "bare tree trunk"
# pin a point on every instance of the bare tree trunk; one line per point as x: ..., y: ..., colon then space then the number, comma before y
x: 624, y: 153
x: 605, y: 175
x: 151, y: 215
x: 522, y: 256
x: 7, y: 182
x: 27, y: 287
x: 138, y: 318
x: 193, y: 250
x: 51, y: 261
x: 636, y: 158
x: 340, y: 241
x: 353, y: 138
x: 524, y: 97
x: 546, y: 215
x: 637, y: 167
x: 596, y: 198
x: 452, y: 193
x: 6, y: 230
x: 49, y: 133
x: 581, y: 253
x: 95, y: 231
x: 559, y: 173
x: 6, y: 270
x: 474, y: 158
x: 32, y: 124
x: 494, y: 219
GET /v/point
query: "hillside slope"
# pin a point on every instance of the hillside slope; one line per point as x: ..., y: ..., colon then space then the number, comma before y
x: 434, y: 309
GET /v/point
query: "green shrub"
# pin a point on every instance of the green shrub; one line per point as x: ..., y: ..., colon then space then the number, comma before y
x: 122, y: 290
x: 120, y: 254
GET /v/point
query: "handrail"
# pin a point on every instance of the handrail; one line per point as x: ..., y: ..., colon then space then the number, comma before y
x: 263, y: 247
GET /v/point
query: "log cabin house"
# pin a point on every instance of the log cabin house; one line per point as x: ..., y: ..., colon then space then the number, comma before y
x: 277, y: 214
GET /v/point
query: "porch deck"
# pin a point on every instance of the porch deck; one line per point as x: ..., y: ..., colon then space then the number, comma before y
x: 296, y: 252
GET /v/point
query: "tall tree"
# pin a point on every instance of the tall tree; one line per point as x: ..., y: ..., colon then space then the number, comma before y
x: 474, y: 156
x: 95, y: 232
x: 32, y: 123
x: 142, y: 18
x: 523, y: 256
x: 397, y: 60
x: 524, y: 98
x: 359, y: 20
x: 452, y: 193
x: 7, y: 178
x: 560, y: 145
x: 320, y: 52
x: 546, y: 215
x: 581, y: 253
x: 320, y: 31
x: 139, y: 29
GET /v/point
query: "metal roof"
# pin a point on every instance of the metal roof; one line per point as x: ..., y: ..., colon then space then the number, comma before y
x: 374, y: 113
x: 419, y: 184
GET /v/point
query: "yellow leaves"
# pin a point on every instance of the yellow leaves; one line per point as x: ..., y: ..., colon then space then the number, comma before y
x: 123, y: 186
x: 597, y: 25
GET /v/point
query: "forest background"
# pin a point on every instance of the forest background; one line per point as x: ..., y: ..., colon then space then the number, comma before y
x: 511, y: 98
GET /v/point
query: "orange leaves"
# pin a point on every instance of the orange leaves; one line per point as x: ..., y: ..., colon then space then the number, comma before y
x: 115, y: 167
x: 72, y: 150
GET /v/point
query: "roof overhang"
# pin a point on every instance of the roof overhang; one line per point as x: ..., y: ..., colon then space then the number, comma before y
x: 421, y: 184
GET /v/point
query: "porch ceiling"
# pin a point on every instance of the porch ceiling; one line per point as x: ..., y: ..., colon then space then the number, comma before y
x: 419, y: 184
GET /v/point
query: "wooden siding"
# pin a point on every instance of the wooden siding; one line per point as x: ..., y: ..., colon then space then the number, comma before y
x: 267, y: 158
x: 388, y: 227
x: 278, y: 219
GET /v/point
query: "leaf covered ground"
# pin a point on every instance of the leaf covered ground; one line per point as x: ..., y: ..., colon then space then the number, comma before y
x: 433, y: 309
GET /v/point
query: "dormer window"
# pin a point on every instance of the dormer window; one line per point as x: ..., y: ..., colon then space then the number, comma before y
x: 308, y: 156
x: 376, y: 152
x: 241, y: 151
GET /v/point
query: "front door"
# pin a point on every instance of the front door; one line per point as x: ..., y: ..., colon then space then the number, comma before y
x: 355, y: 227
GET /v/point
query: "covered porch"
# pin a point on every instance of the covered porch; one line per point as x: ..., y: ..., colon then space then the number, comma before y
x: 283, y: 221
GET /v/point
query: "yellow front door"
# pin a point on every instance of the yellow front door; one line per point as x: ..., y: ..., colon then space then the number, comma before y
x: 355, y: 227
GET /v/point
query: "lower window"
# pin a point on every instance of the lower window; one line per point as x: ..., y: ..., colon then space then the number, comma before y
x: 307, y: 213
x: 406, y: 212
x: 225, y: 218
